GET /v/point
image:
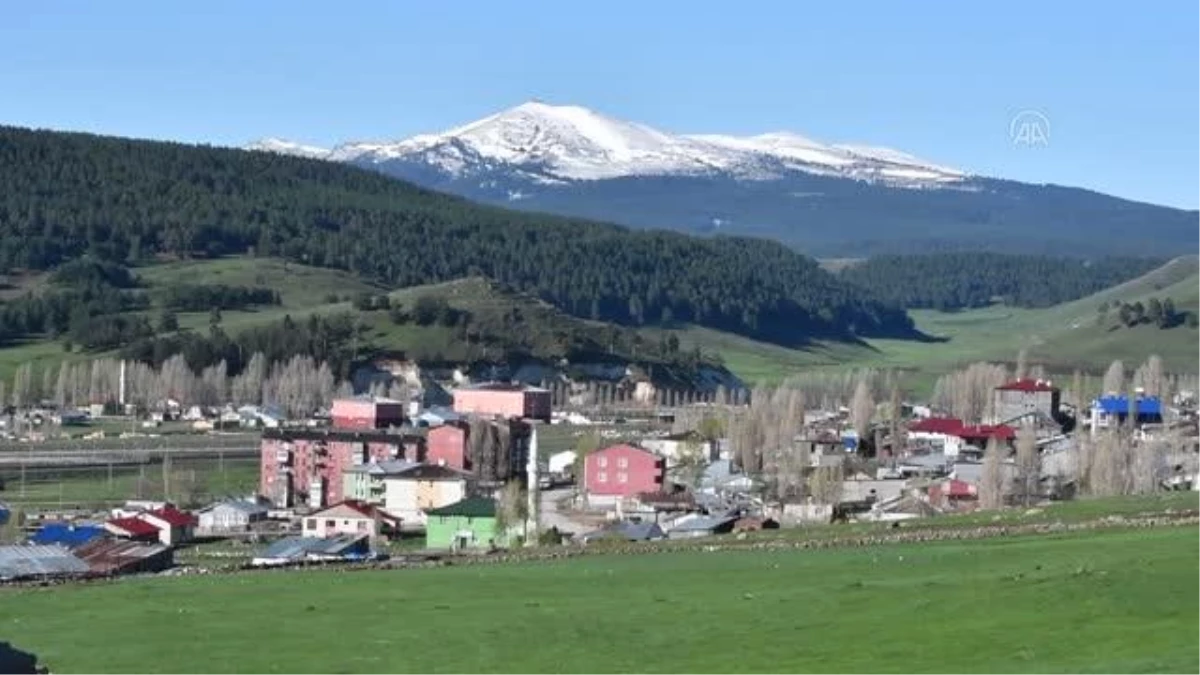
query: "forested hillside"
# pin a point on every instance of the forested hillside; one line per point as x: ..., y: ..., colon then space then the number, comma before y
x: 950, y: 281
x: 65, y: 194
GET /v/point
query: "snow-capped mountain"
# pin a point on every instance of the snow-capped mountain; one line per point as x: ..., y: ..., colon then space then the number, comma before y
x: 554, y: 143
x: 825, y: 199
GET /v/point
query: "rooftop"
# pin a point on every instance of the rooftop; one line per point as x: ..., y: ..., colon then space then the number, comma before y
x: 1028, y: 385
x: 32, y: 560
x: 471, y: 507
x: 136, y: 527
x: 1119, y: 405
x: 501, y: 386
x: 173, y: 517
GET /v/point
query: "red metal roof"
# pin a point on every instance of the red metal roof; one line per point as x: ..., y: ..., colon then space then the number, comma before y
x: 136, y: 527
x: 938, y: 425
x: 362, y: 508
x: 958, y: 488
x: 1028, y: 384
x: 174, y: 517
x: 1000, y: 432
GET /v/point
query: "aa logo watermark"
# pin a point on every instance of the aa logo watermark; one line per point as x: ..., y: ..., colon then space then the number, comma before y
x: 1029, y: 128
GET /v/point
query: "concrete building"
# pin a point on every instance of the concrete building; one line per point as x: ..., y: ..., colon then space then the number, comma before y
x: 367, y: 413
x: 622, y: 471
x: 409, y: 494
x: 349, y: 517
x: 503, y: 400
x: 1024, y: 396
x: 365, y: 482
x: 306, y: 466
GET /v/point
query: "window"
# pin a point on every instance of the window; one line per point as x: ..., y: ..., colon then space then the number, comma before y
x: 622, y: 477
x: 623, y: 463
x: 311, y: 524
x: 602, y: 462
x: 331, y: 523
x: 602, y: 477
x: 362, y: 526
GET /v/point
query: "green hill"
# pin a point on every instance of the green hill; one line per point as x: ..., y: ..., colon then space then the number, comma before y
x: 464, y: 321
x: 63, y: 195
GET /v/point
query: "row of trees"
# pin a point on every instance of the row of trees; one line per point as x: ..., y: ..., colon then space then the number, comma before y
x: 205, y: 297
x: 951, y: 281
x: 1161, y: 313
x: 64, y: 195
x: 299, y: 385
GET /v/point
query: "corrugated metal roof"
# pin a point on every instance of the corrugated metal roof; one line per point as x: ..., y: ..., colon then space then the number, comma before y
x: 296, y: 548
x: 67, y: 534
x: 17, y: 562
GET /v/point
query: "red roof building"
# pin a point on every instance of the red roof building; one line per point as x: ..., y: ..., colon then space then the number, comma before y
x: 1028, y: 385
x: 986, y: 432
x: 132, y: 528
x: 174, y: 517
x: 948, y: 426
x: 1024, y: 397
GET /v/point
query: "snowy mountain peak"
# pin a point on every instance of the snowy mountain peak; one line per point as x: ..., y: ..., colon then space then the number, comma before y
x: 553, y: 143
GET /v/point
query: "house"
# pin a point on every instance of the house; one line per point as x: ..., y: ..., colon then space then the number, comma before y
x: 132, y: 528
x: 410, y: 493
x: 66, y: 534
x: 344, y: 547
x: 721, y: 477
x: 364, y: 482
x: 701, y: 526
x: 953, y: 494
x: 676, y: 446
x: 174, y: 526
x: 118, y: 556
x: 231, y: 516
x: 622, y: 471
x: 349, y: 517
x: 367, y: 413
x: 1024, y: 396
x: 939, y: 433
x: 1110, y: 410
x: 467, y: 524
x: 306, y: 466
x: 502, y: 399
x: 625, y: 531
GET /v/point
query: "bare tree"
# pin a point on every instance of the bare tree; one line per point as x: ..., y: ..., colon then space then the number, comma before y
x: 512, y: 508
x: 991, y: 482
x: 1022, y: 364
x: 21, y: 386
x: 1150, y: 377
x: 61, y: 385
x: 862, y: 409
x: 1028, y: 466
x: 1114, y: 378
x: 825, y: 484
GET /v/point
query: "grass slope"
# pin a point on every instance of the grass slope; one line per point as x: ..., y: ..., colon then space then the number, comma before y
x: 1104, y: 601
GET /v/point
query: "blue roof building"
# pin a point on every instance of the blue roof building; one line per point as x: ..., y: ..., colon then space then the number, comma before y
x: 66, y: 534
x: 1111, y: 409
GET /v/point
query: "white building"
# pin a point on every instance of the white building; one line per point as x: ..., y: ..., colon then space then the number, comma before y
x: 348, y: 517
x: 231, y: 516
x: 409, y: 493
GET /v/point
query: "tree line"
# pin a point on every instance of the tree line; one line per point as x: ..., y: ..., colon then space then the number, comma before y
x: 952, y: 281
x: 184, y: 297
x: 1155, y: 312
x: 63, y: 195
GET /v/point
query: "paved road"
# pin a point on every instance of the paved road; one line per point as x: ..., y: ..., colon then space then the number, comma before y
x: 550, y: 516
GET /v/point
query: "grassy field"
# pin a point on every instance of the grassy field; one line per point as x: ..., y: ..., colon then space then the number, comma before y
x: 1106, y: 601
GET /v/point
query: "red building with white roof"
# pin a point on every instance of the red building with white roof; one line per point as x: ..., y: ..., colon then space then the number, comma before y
x: 1025, y: 396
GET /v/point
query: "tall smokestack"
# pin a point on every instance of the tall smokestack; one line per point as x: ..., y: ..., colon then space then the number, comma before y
x: 532, y: 490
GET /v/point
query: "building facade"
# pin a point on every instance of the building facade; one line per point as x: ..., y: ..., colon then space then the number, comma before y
x: 1024, y: 396
x: 367, y: 413
x: 305, y: 467
x: 349, y: 517
x: 409, y: 494
x: 468, y: 524
x: 503, y: 400
x: 622, y: 471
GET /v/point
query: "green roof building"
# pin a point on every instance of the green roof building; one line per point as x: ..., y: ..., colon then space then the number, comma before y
x: 467, y: 524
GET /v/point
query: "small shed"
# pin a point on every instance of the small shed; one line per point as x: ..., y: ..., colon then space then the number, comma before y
x: 701, y: 526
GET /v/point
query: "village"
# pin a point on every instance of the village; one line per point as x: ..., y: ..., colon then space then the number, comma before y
x: 375, y: 477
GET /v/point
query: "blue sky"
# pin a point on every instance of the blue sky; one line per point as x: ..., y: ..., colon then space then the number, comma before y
x: 1118, y: 82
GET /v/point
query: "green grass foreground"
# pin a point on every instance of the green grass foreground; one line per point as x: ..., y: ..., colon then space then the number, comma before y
x: 1101, y: 601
